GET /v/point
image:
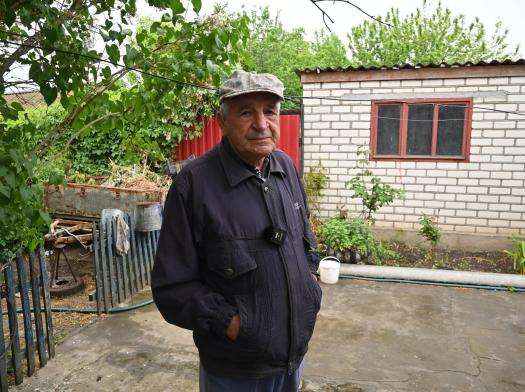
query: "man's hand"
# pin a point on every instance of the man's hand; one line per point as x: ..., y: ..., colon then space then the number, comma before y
x: 233, y: 329
x: 315, y: 277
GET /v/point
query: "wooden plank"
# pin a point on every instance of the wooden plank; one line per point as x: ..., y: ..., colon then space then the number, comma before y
x: 155, y: 242
x: 83, y: 238
x: 140, y: 257
x: 70, y: 222
x: 111, y: 263
x: 16, y: 359
x: 133, y: 255
x: 126, y: 271
x: 39, y: 327
x: 130, y: 260
x: 117, y: 259
x: 145, y: 257
x: 149, y: 252
x: 44, y: 286
x: 152, y: 249
x: 104, y: 266
x: 23, y: 288
x: 3, y: 363
x: 98, y: 272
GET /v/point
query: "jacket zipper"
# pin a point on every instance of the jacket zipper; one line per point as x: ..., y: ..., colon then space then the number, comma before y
x: 272, y: 199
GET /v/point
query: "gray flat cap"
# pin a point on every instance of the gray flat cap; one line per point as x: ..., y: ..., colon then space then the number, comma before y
x: 242, y: 82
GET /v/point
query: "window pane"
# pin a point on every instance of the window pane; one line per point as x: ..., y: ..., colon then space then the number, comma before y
x: 388, y: 129
x: 419, y: 130
x: 450, y: 129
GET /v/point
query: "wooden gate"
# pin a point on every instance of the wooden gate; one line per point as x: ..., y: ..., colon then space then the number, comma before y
x: 119, y: 277
x: 27, y: 276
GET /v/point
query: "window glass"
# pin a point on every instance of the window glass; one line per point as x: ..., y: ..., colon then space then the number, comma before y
x: 388, y: 129
x: 419, y: 129
x: 450, y: 129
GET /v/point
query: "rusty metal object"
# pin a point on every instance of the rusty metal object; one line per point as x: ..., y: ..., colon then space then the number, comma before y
x: 86, y: 201
x: 62, y: 286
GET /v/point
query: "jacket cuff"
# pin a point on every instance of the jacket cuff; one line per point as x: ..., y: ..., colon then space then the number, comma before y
x: 313, y: 261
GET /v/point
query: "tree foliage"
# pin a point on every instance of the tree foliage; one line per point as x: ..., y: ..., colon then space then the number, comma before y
x: 275, y: 50
x: 427, y: 36
x: 54, y: 40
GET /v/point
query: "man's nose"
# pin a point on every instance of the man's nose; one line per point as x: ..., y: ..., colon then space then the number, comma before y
x: 259, y: 122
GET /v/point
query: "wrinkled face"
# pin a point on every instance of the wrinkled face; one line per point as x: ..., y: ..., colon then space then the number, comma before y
x: 251, y: 124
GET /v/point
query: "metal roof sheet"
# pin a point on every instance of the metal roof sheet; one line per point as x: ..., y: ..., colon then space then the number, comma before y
x: 411, y: 66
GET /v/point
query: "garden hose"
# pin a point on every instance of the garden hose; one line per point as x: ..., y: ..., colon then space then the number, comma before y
x: 342, y: 276
x: 90, y: 310
x: 424, y: 282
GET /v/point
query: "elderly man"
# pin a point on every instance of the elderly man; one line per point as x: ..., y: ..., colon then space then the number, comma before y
x: 236, y: 254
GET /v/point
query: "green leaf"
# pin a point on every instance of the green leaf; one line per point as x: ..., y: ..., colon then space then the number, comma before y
x: 177, y: 7
x: 17, y: 106
x: 49, y: 92
x: 113, y: 53
x: 106, y: 72
x: 197, y: 5
x: 5, y: 191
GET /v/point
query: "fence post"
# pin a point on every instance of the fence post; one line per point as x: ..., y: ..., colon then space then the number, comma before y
x: 40, y: 337
x: 23, y: 288
x: 44, y: 285
x: 13, y: 323
x: 3, y: 364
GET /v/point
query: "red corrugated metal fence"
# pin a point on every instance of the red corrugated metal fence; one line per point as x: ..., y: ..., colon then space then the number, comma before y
x: 211, y: 135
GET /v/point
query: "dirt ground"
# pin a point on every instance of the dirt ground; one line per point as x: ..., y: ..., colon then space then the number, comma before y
x: 460, y: 260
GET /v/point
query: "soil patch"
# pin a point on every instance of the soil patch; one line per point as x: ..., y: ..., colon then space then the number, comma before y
x: 459, y: 260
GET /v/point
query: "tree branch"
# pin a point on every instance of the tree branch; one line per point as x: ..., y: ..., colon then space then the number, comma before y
x: 314, y: 2
x: 19, y: 52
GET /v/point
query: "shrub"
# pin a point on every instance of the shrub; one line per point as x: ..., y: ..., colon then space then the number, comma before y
x: 518, y: 256
x: 430, y: 230
x: 354, y: 234
x: 370, y: 189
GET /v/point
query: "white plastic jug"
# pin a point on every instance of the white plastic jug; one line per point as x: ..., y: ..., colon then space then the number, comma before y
x: 329, y: 269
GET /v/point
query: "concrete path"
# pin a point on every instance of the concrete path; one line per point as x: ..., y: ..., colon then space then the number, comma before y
x: 369, y: 337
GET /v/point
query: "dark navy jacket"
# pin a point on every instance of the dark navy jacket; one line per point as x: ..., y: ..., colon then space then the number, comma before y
x: 214, y: 261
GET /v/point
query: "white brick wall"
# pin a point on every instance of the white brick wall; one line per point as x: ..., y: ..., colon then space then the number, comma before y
x: 485, y: 195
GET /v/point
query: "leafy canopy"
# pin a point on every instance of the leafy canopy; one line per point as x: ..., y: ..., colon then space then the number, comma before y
x: 427, y: 36
x: 272, y: 49
x: 43, y: 35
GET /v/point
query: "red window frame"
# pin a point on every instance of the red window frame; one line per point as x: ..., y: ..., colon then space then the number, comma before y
x: 403, y: 126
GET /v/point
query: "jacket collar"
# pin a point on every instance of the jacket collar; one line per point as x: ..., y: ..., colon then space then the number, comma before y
x: 236, y: 169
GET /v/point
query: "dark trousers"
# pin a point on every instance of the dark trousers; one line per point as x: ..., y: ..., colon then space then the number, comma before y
x: 278, y: 383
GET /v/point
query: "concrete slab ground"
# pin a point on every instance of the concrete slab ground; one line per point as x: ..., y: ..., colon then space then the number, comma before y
x: 369, y: 337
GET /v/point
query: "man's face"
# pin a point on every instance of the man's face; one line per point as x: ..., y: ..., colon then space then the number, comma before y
x: 251, y: 125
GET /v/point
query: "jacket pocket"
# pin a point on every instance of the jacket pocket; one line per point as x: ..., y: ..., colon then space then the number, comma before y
x: 231, y: 266
x: 254, y: 333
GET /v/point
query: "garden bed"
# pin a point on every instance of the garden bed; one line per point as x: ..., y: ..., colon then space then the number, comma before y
x: 459, y: 260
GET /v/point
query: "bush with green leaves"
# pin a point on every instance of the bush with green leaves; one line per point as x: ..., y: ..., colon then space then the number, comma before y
x: 518, y: 256
x: 368, y: 187
x: 355, y: 234
x: 429, y: 230
x: 314, y: 182
x: 143, y: 111
x: 23, y: 220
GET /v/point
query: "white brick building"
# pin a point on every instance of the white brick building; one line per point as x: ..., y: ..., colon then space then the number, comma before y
x: 441, y: 133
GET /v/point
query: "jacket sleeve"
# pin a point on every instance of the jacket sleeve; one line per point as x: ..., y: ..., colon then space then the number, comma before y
x: 177, y: 288
x: 310, y: 243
